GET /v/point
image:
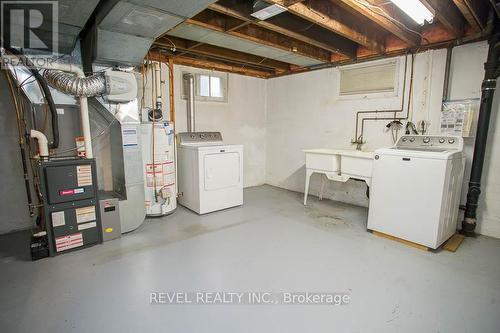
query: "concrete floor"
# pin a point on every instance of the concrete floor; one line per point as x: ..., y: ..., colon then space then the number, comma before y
x: 272, y: 243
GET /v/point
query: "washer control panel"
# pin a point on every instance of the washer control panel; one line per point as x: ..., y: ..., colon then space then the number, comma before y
x: 434, y: 141
x: 199, y: 137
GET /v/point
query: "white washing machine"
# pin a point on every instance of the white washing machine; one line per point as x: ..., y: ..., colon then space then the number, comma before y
x: 416, y: 187
x: 210, y: 172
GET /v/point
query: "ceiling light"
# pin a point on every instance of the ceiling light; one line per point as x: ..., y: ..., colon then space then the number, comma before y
x: 263, y: 10
x: 415, y: 9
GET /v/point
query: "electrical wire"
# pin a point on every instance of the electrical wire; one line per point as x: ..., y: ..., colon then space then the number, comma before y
x: 174, y: 48
x: 381, y: 12
x: 247, y: 63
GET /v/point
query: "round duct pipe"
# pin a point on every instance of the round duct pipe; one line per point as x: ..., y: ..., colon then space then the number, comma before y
x: 71, y: 84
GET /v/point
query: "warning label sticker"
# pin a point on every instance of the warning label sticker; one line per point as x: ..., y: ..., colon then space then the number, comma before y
x: 58, y: 219
x: 84, y: 175
x: 85, y: 214
x: 162, y: 174
x: 69, y: 242
x: 87, y: 225
x: 80, y: 146
x: 130, y: 137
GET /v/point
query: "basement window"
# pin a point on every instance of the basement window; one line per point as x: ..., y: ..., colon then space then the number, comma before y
x: 210, y: 87
x: 374, y: 78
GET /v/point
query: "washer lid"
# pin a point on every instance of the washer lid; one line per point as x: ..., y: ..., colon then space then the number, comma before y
x: 428, y: 152
x: 212, y: 147
x: 429, y: 149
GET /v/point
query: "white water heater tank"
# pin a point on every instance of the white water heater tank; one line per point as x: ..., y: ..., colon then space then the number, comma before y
x: 160, y: 181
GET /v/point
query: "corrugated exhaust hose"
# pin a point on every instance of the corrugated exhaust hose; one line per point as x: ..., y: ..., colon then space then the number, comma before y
x: 71, y: 84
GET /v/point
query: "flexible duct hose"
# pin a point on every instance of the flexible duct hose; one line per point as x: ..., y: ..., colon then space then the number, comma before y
x: 71, y: 84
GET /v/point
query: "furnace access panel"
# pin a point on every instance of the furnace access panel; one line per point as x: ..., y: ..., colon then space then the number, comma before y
x: 71, y: 208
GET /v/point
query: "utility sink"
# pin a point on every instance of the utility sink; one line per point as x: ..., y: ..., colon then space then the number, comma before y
x: 342, y: 161
x: 338, y: 165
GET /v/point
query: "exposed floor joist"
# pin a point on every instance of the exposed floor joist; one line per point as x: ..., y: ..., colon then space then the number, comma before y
x: 326, y: 15
x: 318, y: 39
x: 474, y: 11
x: 187, y: 46
x: 209, y: 63
x: 411, y: 38
x: 448, y: 14
x: 313, y: 34
x: 261, y: 36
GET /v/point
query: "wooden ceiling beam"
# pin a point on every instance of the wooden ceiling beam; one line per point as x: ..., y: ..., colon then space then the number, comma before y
x: 320, y: 13
x: 448, y: 14
x: 292, y: 2
x: 205, y: 63
x: 474, y: 11
x: 347, y: 50
x: 221, y: 53
x: 291, y: 25
x: 357, y: 6
x: 265, y: 37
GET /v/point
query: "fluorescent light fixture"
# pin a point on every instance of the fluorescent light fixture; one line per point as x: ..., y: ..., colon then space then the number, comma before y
x: 415, y: 9
x: 265, y: 11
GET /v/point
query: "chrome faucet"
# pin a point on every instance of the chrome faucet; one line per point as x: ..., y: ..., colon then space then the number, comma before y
x: 358, y: 142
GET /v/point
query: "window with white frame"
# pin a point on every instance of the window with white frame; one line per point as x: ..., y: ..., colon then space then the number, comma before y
x: 369, y: 79
x: 209, y: 86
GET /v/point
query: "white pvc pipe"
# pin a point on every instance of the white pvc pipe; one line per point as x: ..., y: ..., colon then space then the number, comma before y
x: 190, y: 103
x: 43, y: 143
x: 84, y: 107
x: 157, y: 77
x: 84, y: 116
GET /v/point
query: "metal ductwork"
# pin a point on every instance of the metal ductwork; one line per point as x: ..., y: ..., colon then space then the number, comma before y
x: 63, y: 21
x: 263, y: 10
x: 123, y: 31
x: 71, y: 84
x: 191, y: 126
x: 123, y: 153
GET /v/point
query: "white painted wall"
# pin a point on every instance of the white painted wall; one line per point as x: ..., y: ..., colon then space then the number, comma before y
x: 275, y: 119
x: 489, y: 207
x: 242, y: 120
x: 303, y: 111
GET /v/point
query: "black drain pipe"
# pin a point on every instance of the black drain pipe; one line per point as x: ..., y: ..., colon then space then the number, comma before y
x: 488, y: 87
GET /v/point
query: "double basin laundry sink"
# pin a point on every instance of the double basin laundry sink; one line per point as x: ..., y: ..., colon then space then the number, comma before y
x: 338, y: 165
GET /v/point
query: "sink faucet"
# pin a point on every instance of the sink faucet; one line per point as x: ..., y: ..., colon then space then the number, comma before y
x: 358, y: 142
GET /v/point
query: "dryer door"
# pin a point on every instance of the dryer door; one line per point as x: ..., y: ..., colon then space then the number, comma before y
x: 222, y: 170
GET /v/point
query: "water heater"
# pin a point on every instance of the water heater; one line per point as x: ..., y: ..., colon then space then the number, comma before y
x: 158, y: 153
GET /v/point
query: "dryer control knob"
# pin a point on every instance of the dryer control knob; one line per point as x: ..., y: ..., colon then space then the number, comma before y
x: 451, y: 141
x: 412, y: 139
x: 441, y: 140
x: 427, y: 139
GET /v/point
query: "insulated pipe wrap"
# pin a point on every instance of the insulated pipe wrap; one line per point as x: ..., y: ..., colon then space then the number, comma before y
x: 68, y: 83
